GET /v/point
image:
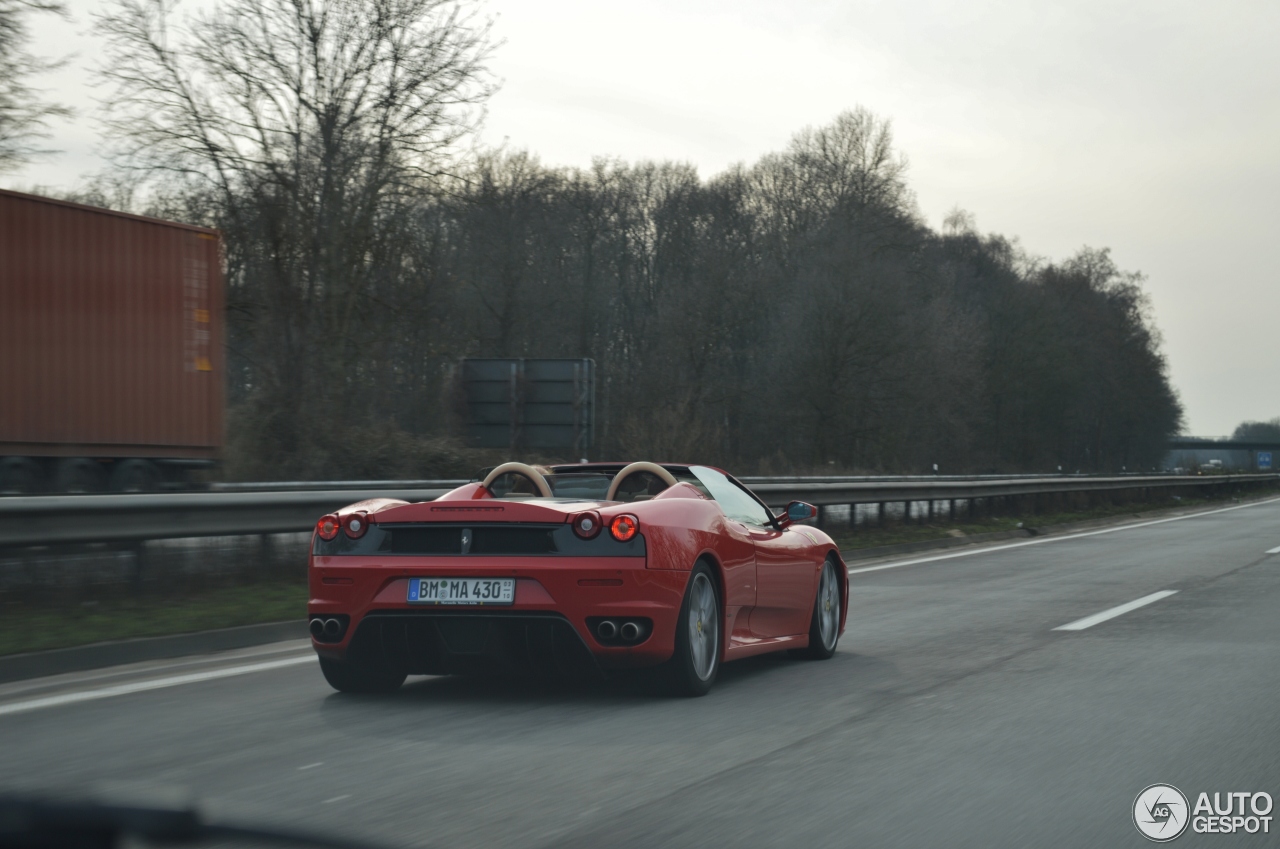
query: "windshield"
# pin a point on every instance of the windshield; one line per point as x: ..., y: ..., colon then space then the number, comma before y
x: 576, y: 486
x: 736, y: 502
x: 590, y: 486
x: 586, y: 486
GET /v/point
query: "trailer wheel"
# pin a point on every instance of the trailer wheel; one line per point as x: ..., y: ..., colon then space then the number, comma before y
x: 135, y: 476
x: 79, y: 474
x: 20, y: 476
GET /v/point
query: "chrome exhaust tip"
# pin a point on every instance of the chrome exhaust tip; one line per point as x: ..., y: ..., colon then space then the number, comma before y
x: 317, y: 628
x: 607, y: 630
x: 629, y: 631
x: 332, y: 627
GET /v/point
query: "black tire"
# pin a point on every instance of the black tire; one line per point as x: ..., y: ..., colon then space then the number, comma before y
x: 352, y: 677
x: 693, y: 668
x: 135, y: 476
x: 824, y: 625
x: 20, y: 476
x: 79, y: 474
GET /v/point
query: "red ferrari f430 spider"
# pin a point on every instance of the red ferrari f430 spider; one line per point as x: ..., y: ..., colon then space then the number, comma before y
x: 586, y: 567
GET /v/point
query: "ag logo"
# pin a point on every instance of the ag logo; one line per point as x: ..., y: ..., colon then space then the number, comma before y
x: 1160, y: 812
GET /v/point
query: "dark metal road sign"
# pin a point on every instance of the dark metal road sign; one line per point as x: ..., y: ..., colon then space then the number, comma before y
x: 527, y: 403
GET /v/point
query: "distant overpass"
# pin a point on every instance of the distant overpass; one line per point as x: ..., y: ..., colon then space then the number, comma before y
x: 1192, y: 452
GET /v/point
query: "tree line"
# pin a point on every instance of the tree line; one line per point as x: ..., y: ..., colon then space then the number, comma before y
x: 1268, y: 431
x: 793, y: 314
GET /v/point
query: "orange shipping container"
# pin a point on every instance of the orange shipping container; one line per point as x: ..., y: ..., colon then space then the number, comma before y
x: 111, y: 344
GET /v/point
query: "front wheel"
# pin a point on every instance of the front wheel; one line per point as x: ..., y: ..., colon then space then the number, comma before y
x: 352, y: 677
x: 824, y: 627
x: 693, y: 668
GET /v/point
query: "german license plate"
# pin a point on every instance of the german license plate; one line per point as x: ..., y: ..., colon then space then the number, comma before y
x: 462, y: 590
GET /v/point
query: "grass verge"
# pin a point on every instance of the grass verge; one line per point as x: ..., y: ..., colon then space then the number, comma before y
x: 39, y: 627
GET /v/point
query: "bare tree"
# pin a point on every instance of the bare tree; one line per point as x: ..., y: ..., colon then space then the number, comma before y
x: 308, y: 130
x: 23, y: 113
x: 1268, y: 431
x: 379, y: 88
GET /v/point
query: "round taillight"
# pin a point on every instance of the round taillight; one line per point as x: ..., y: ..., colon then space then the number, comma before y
x: 587, y: 525
x: 355, y: 525
x: 327, y: 527
x: 624, y: 527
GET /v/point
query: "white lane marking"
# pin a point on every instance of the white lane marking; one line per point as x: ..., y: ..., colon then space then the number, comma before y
x: 1112, y: 613
x: 143, y: 686
x: 140, y: 669
x: 311, y: 766
x: 988, y: 549
x: 337, y: 798
x: 1275, y: 550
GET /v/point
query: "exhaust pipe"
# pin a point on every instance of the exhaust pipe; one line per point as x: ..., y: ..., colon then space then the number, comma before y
x: 630, y: 632
x: 317, y: 628
x: 332, y: 627
x: 607, y: 629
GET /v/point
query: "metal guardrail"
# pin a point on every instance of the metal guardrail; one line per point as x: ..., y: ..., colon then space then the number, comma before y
x: 321, y: 486
x: 120, y: 518
x: 308, y: 486
x: 311, y: 486
x: 123, y: 518
x: 871, y: 492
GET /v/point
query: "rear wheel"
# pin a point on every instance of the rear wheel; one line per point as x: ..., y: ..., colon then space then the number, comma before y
x: 824, y: 627
x: 693, y: 668
x: 349, y: 676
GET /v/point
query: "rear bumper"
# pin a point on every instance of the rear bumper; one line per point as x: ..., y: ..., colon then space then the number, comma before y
x: 546, y: 627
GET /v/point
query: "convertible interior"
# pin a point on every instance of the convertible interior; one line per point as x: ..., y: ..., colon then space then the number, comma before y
x: 592, y: 482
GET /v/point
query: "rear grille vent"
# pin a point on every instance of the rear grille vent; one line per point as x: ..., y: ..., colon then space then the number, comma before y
x: 422, y: 541
x: 483, y: 540
x: 504, y: 539
x: 512, y: 541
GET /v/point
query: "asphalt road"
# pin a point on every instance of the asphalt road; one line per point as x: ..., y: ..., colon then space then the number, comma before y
x: 954, y: 714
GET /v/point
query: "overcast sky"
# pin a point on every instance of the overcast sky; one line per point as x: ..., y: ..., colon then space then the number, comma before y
x: 1151, y: 127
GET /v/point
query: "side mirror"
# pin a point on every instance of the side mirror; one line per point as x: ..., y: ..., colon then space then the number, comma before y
x: 798, y: 511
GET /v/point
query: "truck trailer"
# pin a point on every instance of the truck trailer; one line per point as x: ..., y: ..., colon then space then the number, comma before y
x: 111, y: 349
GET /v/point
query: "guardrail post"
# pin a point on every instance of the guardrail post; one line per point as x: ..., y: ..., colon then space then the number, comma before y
x: 930, y: 510
x: 266, y: 554
x: 139, y: 549
x: 880, y: 515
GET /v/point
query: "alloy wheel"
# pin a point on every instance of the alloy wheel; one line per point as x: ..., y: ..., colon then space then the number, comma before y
x: 704, y: 627
x: 829, y: 606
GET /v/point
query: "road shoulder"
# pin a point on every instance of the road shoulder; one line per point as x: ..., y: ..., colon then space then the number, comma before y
x: 21, y: 667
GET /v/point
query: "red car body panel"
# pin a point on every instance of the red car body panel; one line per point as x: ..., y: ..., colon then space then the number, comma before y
x: 768, y: 576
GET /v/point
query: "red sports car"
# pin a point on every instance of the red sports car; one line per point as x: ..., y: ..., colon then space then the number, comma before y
x: 587, y: 567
